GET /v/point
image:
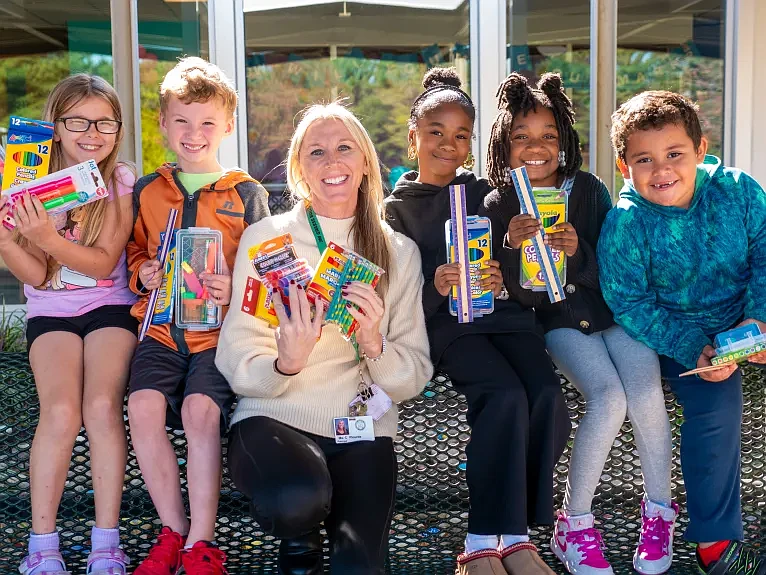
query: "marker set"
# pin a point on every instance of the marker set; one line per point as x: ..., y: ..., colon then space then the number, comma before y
x: 550, y: 275
x: 275, y: 264
x: 337, y: 267
x: 61, y: 191
x: 27, y: 155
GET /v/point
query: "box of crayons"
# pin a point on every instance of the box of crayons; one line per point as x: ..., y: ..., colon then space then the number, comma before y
x: 337, y: 267
x: 197, y: 251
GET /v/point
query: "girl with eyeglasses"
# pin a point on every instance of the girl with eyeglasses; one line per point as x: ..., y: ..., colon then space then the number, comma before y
x: 80, y: 334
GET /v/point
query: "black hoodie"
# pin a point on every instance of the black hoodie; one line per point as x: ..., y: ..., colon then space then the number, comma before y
x: 419, y: 211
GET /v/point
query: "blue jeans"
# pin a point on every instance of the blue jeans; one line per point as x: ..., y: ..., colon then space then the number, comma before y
x: 710, y: 452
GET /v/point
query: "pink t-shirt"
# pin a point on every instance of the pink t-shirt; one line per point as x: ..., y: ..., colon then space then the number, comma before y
x: 70, y: 293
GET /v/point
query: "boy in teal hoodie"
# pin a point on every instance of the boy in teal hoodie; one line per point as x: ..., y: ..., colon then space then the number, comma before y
x: 682, y: 257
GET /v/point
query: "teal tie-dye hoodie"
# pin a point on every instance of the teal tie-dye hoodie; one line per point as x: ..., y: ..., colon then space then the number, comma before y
x: 675, y: 277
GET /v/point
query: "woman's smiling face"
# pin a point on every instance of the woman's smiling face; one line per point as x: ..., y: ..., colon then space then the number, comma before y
x: 333, y: 166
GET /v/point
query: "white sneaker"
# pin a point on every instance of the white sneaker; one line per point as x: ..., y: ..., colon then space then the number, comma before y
x: 655, y: 546
x: 578, y: 545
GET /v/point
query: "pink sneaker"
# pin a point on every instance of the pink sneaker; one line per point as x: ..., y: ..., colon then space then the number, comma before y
x: 578, y: 545
x: 655, y: 547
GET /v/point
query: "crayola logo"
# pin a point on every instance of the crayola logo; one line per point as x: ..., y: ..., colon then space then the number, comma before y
x: 19, y: 138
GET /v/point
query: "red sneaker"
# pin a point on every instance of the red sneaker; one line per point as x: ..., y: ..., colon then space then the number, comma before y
x: 204, y: 559
x: 165, y: 557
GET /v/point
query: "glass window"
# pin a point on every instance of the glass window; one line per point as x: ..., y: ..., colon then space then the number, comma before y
x: 675, y: 45
x: 42, y: 43
x: 167, y: 31
x: 554, y: 36
x: 372, y: 53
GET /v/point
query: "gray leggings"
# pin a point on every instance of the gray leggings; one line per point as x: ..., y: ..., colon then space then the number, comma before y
x: 615, y: 374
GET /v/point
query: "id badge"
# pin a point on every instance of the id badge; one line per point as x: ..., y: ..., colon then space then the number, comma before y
x: 352, y: 429
x: 373, y: 401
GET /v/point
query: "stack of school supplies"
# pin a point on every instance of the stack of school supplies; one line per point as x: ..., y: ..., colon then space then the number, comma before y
x: 479, y: 242
x: 28, y: 151
x: 337, y: 267
x: 61, y: 191
x: 166, y: 239
x: 198, y: 251
x: 276, y: 265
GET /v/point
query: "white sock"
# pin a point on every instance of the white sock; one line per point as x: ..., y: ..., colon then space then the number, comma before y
x: 479, y: 542
x: 508, y: 540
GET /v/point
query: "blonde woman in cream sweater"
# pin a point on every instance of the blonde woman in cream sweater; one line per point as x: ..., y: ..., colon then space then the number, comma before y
x: 293, y: 450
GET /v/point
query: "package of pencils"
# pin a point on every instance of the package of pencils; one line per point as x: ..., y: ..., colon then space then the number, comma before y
x: 61, y: 191
x: 339, y: 266
x: 198, y: 251
x: 28, y: 153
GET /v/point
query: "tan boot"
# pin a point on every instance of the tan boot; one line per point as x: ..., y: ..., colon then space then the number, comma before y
x: 484, y: 562
x: 522, y: 559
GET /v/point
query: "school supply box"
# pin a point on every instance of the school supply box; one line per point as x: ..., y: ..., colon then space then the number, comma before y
x: 479, y: 235
x: 553, y: 206
x: 27, y: 155
x: 197, y: 251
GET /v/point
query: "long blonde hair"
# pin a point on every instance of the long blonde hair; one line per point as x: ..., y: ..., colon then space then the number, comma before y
x: 64, y: 96
x: 369, y: 236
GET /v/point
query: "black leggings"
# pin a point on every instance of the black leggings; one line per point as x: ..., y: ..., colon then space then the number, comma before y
x: 297, y: 480
x: 519, y: 428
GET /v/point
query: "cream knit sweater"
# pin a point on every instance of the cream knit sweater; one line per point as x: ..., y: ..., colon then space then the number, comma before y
x: 311, y: 399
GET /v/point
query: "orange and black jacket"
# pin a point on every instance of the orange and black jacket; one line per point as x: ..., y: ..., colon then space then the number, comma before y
x: 230, y: 204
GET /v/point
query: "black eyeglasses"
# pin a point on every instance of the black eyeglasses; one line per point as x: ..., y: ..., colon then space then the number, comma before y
x: 83, y: 125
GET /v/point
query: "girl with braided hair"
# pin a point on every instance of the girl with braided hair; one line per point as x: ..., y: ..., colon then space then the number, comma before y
x: 516, y: 409
x: 615, y: 374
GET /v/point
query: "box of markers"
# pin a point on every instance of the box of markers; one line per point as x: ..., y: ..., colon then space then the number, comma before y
x: 197, y: 251
x: 61, y: 191
x: 553, y: 206
x: 275, y: 264
x: 479, y: 253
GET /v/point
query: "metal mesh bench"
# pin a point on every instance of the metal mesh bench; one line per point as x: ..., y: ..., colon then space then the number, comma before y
x: 432, y: 500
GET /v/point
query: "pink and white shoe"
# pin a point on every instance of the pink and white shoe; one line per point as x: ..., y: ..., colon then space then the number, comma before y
x: 35, y: 560
x: 655, y: 547
x: 115, y: 556
x: 578, y: 545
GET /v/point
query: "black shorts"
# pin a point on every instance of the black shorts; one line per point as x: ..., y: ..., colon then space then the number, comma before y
x: 82, y: 325
x: 175, y: 375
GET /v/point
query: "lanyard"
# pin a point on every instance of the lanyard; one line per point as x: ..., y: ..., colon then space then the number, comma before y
x: 316, y: 230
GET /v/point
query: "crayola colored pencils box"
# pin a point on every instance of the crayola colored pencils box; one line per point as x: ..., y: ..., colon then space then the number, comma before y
x: 166, y: 296
x: 479, y: 253
x: 553, y: 206
x: 28, y: 153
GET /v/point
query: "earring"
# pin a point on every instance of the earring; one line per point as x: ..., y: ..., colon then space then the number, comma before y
x: 411, y: 153
x: 562, y: 158
x: 469, y: 162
